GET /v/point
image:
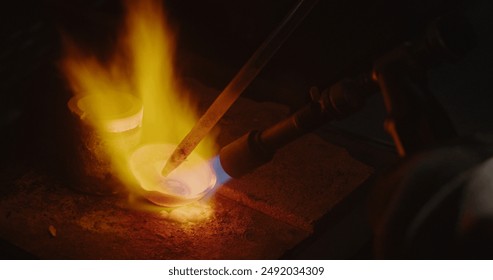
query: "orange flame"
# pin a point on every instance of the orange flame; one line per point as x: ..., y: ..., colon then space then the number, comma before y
x: 141, y: 70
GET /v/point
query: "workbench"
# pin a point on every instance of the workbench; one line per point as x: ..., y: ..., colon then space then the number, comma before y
x: 259, y: 216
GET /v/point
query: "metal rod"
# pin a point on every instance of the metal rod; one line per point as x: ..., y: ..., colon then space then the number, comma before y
x: 242, y: 79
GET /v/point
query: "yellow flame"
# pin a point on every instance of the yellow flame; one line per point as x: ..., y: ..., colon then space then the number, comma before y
x: 142, y: 67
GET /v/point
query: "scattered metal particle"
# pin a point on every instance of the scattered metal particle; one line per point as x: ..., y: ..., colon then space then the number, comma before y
x: 52, y: 230
x: 188, y: 214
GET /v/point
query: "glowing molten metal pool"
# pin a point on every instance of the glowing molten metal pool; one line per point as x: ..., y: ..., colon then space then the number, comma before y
x: 188, y: 183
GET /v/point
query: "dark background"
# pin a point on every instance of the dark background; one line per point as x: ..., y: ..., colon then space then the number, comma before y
x: 215, y: 37
x: 338, y: 39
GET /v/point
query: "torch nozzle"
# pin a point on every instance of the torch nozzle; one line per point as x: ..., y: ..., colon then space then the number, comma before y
x: 258, y: 147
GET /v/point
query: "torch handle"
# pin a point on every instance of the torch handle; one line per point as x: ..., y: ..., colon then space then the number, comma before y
x: 242, y: 79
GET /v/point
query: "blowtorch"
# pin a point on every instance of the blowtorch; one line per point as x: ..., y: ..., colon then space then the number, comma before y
x: 415, y: 119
